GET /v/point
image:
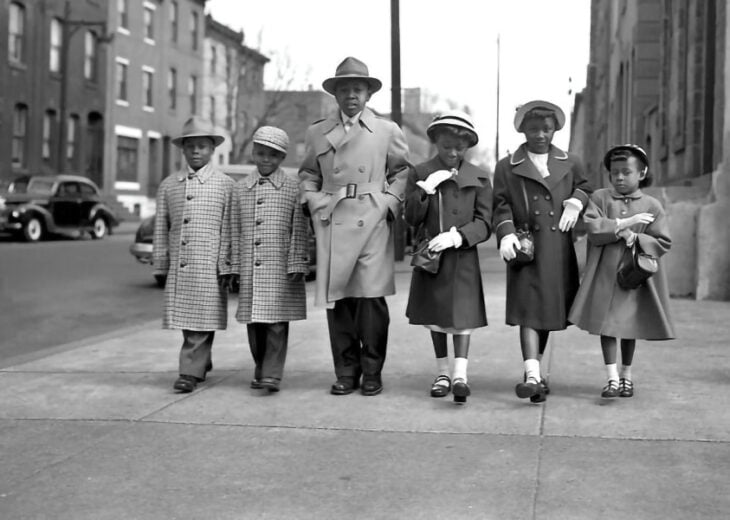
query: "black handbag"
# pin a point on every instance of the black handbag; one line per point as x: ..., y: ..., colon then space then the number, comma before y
x: 424, y: 259
x: 526, y: 252
x: 635, y: 267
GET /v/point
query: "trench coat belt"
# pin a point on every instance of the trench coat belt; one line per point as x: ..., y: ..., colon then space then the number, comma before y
x: 347, y: 191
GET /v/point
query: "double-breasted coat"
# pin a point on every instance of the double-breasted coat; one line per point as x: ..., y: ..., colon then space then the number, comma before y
x: 601, y: 306
x: 192, y: 242
x: 353, y: 183
x: 452, y: 298
x: 539, y: 294
x: 269, y: 241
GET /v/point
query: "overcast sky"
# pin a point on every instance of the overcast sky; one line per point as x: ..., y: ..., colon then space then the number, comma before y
x: 448, y: 48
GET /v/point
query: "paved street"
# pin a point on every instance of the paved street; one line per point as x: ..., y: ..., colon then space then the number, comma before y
x: 94, y: 430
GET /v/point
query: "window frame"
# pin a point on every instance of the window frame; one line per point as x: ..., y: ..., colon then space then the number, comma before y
x: 16, y: 38
x: 20, y: 136
x: 55, y: 46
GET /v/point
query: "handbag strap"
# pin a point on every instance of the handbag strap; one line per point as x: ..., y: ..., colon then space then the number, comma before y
x: 441, y: 209
x: 527, y: 201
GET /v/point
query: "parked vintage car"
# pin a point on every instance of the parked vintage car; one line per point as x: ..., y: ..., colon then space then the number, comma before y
x: 34, y: 206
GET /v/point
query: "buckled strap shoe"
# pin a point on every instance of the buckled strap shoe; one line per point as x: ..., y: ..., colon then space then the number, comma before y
x: 460, y: 390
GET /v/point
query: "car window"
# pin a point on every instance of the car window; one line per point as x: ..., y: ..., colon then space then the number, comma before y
x: 40, y: 186
x: 87, y: 189
x: 68, y: 189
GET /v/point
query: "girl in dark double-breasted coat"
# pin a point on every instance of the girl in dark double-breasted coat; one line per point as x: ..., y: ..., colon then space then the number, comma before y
x: 543, y: 188
x: 449, y: 200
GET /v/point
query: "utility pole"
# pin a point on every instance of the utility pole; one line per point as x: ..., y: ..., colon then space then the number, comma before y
x: 396, y: 113
x: 496, y: 138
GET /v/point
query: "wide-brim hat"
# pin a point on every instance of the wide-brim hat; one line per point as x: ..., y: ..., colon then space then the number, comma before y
x: 272, y: 137
x: 351, y: 68
x: 524, y: 109
x: 633, y: 149
x: 455, y: 118
x: 196, y: 127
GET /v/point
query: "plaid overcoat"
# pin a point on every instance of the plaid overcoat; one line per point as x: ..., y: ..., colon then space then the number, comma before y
x: 192, y: 243
x: 269, y: 241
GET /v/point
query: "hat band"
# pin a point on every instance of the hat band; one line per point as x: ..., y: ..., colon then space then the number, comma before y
x: 445, y: 118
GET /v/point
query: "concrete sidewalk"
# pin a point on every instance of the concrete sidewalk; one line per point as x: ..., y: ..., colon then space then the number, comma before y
x: 94, y: 430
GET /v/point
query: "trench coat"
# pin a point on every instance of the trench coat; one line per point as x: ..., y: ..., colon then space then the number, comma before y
x: 355, y: 255
x: 191, y: 245
x: 269, y: 241
x: 539, y: 294
x: 601, y: 306
x: 453, y: 297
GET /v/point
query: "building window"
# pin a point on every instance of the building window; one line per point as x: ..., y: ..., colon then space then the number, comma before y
x: 211, y: 101
x: 149, y: 22
x: 49, y: 124
x: 173, y: 20
x: 147, y: 86
x: 20, y: 124
x: 193, y: 94
x: 122, y: 8
x: 122, y: 66
x: 54, y: 63
x: 213, y: 59
x: 194, y: 29
x: 172, y: 88
x: 72, y: 130
x: 16, y: 32
x: 90, y: 56
x: 127, y: 152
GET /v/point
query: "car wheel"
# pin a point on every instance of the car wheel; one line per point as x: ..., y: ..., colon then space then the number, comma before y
x: 100, y: 228
x: 161, y: 280
x: 33, y: 230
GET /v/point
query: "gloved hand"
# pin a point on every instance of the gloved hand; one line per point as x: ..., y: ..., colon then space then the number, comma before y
x: 569, y: 217
x: 433, y: 180
x: 295, y: 277
x: 508, y: 247
x: 445, y: 240
x: 639, y: 218
x: 628, y: 235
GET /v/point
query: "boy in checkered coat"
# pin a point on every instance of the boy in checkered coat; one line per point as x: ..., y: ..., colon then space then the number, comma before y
x: 269, y: 256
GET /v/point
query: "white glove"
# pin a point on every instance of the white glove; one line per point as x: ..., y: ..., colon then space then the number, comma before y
x: 445, y: 240
x: 569, y: 217
x: 639, y: 218
x: 508, y: 247
x: 433, y: 180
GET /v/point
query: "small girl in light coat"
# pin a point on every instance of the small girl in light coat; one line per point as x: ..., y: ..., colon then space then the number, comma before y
x: 616, y: 218
x: 269, y: 253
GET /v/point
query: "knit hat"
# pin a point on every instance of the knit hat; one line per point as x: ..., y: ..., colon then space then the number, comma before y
x: 196, y: 127
x: 351, y: 68
x: 545, y: 105
x: 453, y: 118
x: 272, y: 137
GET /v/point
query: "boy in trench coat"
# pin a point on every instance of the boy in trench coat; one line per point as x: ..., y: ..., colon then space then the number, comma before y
x: 352, y: 180
x: 192, y: 248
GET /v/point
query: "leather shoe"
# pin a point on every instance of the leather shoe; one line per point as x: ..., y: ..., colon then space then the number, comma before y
x: 541, y: 396
x: 270, y: 383
x: 186, y: 384
x: 371, y: 385
x: 344, y: 385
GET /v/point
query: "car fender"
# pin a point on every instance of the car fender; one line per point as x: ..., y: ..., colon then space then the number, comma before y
x: 103, y: 211
x: 31, y: 209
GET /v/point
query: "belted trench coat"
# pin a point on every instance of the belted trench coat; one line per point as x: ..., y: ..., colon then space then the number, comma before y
x: 191, y: 245
x: 353, y: 184
x: 539, y: 294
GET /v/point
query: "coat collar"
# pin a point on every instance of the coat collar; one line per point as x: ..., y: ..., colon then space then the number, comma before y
x: 276, y: 178
x: 469, y: 175
x: 558, y: 165
x: 202, y: 175
x: 334, y: 129
x: 616, y: 195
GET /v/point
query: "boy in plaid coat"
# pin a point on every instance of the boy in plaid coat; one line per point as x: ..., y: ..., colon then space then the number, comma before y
x: 269, y: 256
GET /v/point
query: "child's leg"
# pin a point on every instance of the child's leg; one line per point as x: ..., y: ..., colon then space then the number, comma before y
x: 461, y: 355
x: 257, y: 344
x: 441, y: 351
x: 628, y: 346
x: 530, y: 343
x: 608, y: 347
x: 277, y: 340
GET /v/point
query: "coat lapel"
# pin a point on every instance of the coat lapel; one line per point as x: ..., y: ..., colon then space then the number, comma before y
x: 333, y: 129
x: 558, y: 165
x: 522, y: 166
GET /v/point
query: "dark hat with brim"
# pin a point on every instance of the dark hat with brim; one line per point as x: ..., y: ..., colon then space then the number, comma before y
x: 351, y: 68
x: 546, y: 105
x: 455, y: 118
x: 633, y: 149
x: 195, y: 127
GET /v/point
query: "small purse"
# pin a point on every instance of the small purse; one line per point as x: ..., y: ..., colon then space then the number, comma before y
x: 635, y: 267
x: 424, y: 259
x: 526, y: 252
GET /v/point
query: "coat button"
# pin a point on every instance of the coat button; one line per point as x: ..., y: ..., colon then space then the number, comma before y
x: 257, y: 263
x: 360, y: 223
x: 361, y: 169
x: 337, y: 169
x: 626, y: 201
x: 537, y: 212
x: 260, y: 201
x: 183, y: 264
x: 190, y: 197
x: 186, y: 220
x: 553, y: 228
x: 259, y: 221
x: 537, y: 227
x: 184, y: 242
x: 623, y: 212
x: 534, y: 197
x: 548, y: 197
x: 454, y: 211
x: 257, y: 243
x: 551, y: 213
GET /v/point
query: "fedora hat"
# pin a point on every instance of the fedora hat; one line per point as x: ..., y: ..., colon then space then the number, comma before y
x: 272, y: 137
x: 453, y: 118
x: 196, y: 127
x: 351, y: 68
x: 546, y: 105
x: 632, y: 149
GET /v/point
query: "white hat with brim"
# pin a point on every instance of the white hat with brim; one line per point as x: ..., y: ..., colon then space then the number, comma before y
x: 272, y: 137
x: 195, y: 127
x: 351, y: 68
x: 455, y: 118
x: 546, y: 105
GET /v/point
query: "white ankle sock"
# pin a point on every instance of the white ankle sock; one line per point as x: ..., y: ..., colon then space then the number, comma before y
x: 532, y: 370
x: 460, y: 364
x: 612, y: 372
x: 626, y: 372
x: 442, y: 365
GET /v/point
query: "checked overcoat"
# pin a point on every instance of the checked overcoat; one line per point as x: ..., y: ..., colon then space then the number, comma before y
x: 269, y: 241
x: 539, y: 294
x: 355, y: 252
x: 192, y: 247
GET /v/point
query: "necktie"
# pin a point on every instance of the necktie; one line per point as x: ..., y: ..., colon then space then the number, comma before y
x: 348, y: 125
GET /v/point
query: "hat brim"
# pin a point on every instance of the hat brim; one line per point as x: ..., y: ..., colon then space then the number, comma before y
x: 452, y: 121
x: 635, y: 150
x: 271, y: 145
x: 217, y: 139
x: 330, y: 84
x: 524, y: 109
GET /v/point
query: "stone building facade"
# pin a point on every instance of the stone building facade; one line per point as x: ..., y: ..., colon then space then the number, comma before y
x: 657, y: 77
